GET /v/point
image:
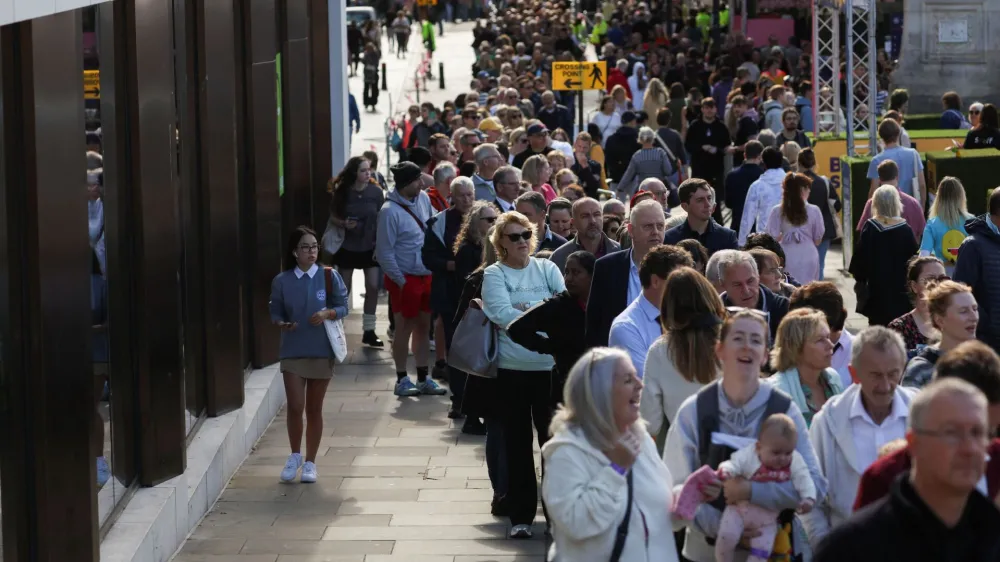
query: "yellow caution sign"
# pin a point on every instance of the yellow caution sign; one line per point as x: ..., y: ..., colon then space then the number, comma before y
x: 92, y: 84
x: 579, y: 75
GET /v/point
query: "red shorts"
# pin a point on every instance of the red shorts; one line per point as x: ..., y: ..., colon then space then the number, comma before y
x: 413, y: 298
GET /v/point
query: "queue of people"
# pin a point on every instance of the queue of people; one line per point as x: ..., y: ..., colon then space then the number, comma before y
x: 677, y: 374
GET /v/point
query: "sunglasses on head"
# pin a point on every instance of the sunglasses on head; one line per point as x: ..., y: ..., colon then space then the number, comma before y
x: 514, y: 238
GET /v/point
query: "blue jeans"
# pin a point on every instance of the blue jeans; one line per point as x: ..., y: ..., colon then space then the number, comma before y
x: 496, y: 456
x: 822, y: 249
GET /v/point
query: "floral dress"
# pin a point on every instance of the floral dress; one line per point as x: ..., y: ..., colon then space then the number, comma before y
x: 907, y: 327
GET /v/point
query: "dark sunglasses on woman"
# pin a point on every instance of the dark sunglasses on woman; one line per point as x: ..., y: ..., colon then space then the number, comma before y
x: 514, y: 238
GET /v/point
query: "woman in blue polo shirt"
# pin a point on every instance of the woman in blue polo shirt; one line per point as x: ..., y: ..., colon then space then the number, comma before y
x: 300, y: 302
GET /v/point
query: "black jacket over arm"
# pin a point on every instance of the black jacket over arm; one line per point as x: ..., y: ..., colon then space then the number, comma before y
x: 563, y: 322
x: 608, y: 296
x: 589, y: 175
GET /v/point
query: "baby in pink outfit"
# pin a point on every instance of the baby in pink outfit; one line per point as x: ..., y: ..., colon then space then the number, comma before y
x: 772, y: 458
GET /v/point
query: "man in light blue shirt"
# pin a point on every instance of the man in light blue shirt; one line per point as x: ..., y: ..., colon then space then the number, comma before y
x: 906, y: 159
x: 638, y: 326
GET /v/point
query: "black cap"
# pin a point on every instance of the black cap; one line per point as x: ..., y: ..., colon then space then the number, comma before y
x: 628, y: 117
x: 405, y: 173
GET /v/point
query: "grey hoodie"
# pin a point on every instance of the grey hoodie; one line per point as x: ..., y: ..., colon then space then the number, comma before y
x: 400, y: 238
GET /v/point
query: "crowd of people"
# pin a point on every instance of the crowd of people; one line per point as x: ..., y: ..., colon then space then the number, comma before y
x: 693, y: 387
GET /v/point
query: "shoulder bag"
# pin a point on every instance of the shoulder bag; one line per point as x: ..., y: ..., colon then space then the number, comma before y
x: 622, y: 533
x: 916, y: 175
x: 475, y: 347
x: 334, y: 328
x: 333, y: 238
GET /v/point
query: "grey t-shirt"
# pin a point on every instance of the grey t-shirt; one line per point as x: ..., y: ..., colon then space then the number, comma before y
x: 363, y: 206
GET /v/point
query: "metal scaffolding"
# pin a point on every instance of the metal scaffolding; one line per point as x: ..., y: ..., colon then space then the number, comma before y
x: 861, y: 73
x: 826, y: 67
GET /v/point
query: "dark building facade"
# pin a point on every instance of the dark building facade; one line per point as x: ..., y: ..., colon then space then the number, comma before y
x: 134, y: 309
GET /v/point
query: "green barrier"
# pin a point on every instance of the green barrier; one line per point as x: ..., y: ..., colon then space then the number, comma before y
x: 976, y: 169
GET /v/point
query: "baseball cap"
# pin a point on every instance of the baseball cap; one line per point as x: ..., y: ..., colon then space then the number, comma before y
x: 537, y: 129
x: 490, y: 124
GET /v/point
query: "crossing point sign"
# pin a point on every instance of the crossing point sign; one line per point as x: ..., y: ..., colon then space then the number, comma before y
x: 579, y: 75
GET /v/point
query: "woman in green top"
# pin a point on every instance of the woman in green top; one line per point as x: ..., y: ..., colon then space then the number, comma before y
x: 801, y: 355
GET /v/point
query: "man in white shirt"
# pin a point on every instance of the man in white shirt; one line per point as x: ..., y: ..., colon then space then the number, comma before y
x: 638, y: 326
x: 852, y: 426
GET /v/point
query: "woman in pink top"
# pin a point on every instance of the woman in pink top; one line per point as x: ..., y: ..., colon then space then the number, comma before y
x: 536, y: 171
x: 798, y: 227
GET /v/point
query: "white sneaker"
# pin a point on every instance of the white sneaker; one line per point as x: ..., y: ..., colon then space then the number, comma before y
x: 292, y: 466
x: 308, y: 473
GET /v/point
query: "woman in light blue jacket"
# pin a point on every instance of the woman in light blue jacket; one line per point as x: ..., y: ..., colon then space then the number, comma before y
x: 945, y: 229
x: 302, y: 298
x: 802, y: 354
x: 511, y: 286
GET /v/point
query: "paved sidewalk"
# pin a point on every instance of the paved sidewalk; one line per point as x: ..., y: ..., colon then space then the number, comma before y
x: 398, y: 482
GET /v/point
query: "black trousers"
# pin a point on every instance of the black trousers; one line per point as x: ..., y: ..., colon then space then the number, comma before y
x: 526, y: 398
x: 370, y: 95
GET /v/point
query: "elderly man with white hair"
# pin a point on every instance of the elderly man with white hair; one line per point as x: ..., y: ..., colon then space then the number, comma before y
x: 488, y: 161
x: 852, y: 426
x: 741, y: 282
x: 440, y: 192
x: 438, y: 256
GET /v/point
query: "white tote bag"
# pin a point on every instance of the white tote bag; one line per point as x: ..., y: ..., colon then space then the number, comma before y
x: 335, y: 328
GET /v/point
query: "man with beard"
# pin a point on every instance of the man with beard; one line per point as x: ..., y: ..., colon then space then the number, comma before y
x: 588, y: 221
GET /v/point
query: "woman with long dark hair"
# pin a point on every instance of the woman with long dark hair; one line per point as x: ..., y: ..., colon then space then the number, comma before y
x: 798, y: 227
x: 354, y: 208
x: 303, y: 297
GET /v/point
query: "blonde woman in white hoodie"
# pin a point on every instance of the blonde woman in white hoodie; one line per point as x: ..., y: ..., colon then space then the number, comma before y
x: 599, y: 453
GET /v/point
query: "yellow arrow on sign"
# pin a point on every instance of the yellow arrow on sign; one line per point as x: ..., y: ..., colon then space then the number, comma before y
x: 576, y: 76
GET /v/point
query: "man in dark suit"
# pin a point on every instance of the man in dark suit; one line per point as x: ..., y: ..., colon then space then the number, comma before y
x: 616, y: 276
x: 507, y: 186
x: 532, y: 205
x: 698, y: 200
x: 738, y: 181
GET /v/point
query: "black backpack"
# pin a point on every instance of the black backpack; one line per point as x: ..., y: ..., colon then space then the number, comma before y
x: 707, y: 412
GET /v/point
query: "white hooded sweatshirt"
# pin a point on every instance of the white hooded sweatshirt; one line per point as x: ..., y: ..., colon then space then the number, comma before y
x: 586, y: 500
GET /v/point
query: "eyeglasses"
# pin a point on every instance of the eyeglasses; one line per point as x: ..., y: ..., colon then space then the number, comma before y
x: 954, y: 437
x: 516, y: 237
x: 490, y: 220
x: 312, y: 248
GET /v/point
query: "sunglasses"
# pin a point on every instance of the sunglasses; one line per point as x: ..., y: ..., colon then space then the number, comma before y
x: 490, y: 220
x: 515, y: 238
x: 974, y: 113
